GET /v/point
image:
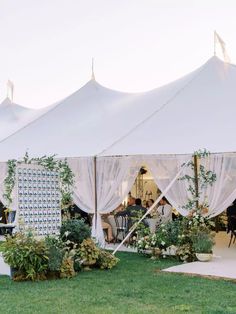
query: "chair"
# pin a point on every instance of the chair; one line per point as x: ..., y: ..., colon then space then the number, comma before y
x: 231, y: 228
x: 121, y: 226
x: 7, y: 228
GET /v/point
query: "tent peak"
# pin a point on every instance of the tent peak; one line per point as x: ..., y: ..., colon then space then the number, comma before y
x: 92, y: 74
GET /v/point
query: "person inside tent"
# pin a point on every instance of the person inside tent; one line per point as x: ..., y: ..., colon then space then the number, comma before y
x: 134, y: 209
x: 231, y: 217
x: 164, y: 211
x: 106, y: 226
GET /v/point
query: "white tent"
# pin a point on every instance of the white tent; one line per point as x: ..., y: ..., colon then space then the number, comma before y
x: 90, y: 120
x: 193, y: 112
x: 13, y: 117
x: 201, y: 114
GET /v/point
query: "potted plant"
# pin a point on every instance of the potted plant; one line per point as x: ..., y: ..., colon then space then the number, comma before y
x: 88, y: 252
x: 202, y: 243
x: 106, y: 260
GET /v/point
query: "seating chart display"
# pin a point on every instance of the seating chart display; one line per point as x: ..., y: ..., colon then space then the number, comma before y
x: 38, y: 192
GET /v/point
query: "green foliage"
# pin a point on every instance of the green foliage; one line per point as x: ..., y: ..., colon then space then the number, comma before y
x: 27, y: 255
x: 9, y: 181
x: 67, y: 266
x: 49, y: 163
x: 204, y: 177
x: 203, y: 241
x: 56, y: 251
x: 106, y: 260
x: 88, y: 251
x: 75, y: 231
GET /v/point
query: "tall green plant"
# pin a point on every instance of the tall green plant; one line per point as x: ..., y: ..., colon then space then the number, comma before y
x: 204, y: 179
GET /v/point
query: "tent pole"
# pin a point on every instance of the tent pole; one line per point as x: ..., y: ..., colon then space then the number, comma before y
x: 195, y: 162
x: 150, y: 209
x: 95, y: 190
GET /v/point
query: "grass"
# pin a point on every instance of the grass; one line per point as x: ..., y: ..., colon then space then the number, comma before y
x: 136, y: 286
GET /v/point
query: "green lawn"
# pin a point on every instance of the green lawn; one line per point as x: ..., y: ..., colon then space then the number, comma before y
x: 136, y: 285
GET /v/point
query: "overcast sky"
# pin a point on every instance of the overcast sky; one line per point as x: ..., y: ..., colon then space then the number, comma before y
x: 47, y: 45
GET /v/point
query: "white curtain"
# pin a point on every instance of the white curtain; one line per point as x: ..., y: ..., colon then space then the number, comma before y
x: 84, y: 190
x: 115, y: 177
x: 164, y: 169
x: 219, y: 196
x: 223, y: 192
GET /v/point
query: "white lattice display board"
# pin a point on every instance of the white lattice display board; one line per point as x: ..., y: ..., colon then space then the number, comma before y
x: 38, y: 192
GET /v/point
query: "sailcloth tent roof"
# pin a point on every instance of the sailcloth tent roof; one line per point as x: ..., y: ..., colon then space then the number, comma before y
x: 13, y: 117
x: 86, y: 122
x: 193, y: 112
x: 201, y: 115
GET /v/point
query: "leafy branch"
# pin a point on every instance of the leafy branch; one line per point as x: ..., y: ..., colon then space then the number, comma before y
x: 204, y: 178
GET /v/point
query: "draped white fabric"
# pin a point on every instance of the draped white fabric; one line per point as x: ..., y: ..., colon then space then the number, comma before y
x: 222, y: 193
x: 115, y: 177
x: 218, y: 196
x: 164, y: 169
x: 84, y: 190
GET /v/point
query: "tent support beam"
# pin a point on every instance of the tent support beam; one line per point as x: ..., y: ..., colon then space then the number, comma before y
x: 150, y: 209
x: 196, y: 182
x: 95, y: 191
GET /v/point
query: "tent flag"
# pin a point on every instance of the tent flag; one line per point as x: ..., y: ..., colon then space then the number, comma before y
x: 219, y: 40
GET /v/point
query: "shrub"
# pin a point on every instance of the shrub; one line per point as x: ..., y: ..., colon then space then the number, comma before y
x: 75, y: 231
x: 203, y: 242
x: 67, y: 267
x: 106, y: 260
x: 56, y: 251
x: 88, y: 251
x: 27, y: 255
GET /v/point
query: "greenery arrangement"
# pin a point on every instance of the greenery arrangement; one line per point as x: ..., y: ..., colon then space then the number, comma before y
x: 88, y: 252
x: 49, y: 163
x: 203, y: 241
x: 75, y: 231
x: 26, y: 255
x: 106, y: 260
x: 203, y: 178
x: 189, y: 234
x: 54, y: 257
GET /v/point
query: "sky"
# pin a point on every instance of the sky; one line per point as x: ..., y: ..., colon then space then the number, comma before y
x: 47, y: 45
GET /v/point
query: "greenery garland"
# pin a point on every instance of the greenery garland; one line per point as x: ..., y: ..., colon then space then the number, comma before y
x: 49, y: 163
x: 205, y: 178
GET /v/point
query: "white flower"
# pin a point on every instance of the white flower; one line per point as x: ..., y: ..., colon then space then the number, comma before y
x: 67, y: 233
x: 163, y: 243
x: 146, y: 246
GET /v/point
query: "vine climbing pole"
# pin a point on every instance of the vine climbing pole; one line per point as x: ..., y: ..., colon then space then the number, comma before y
x: 196, y: 181
x: 95, y: 191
